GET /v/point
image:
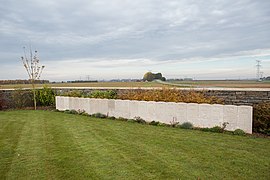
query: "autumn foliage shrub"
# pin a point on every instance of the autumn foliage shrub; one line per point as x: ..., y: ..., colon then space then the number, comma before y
x: 261, y: 118
x: 169, y: 95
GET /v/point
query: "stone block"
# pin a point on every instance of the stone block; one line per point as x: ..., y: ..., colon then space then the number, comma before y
x: 165, y: 112
x: 171, y: 115
x: 85, y: 105
x: 161, y: 114
x: 231, y: 116
x: 245, y: 119
x: 151, y: 111
x: 93, y: 106
x: 59, y: 103
x: 216, y: 115
x: 240, y: 92
x: 142, y: 110
x: 111, y: 107
x: 193, y: 113
x: 205, y: 113
x: 181, y: 112
x: 75, y: 103
x: 102, y: 106
x: 134, y: 109
x: 71, y: 103
x: 122, y: 108
x: 256, y: 93
x: 65, y: 103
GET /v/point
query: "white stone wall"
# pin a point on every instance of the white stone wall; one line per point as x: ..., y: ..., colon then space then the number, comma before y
x: 200, y: 115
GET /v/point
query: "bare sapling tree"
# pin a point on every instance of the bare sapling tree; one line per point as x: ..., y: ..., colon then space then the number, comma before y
x: 34, y: 70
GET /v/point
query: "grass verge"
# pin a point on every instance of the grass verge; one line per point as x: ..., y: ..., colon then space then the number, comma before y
x: 51, y: 145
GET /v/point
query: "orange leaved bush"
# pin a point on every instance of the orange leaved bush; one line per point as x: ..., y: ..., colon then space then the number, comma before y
x: 261, y: 118
x: 169, y: 95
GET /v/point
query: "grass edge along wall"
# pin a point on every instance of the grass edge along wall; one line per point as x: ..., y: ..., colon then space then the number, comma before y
x: 200, y: 115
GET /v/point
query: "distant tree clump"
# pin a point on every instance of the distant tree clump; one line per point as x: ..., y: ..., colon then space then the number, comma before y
x: 266, y: 78
x: 149, y: 76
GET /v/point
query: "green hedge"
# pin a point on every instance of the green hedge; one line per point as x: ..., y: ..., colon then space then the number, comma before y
x: 45, y: 96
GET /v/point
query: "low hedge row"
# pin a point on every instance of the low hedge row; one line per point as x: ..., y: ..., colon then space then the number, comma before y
x: 165, y: 95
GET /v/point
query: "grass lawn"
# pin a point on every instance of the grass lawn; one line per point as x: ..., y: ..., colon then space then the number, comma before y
x: 53, y: 145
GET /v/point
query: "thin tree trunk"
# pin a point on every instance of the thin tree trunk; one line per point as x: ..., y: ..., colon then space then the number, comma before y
x: 34, y: 94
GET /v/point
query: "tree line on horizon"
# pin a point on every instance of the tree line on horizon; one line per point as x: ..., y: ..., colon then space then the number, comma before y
x: 23, y: 81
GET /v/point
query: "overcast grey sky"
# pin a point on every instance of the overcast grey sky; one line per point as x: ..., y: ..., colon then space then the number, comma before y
x: 108, y: 39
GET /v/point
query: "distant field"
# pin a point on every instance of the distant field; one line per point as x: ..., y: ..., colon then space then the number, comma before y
x: 231, y: 84
x: 227, y: 84
x: 98, y: 84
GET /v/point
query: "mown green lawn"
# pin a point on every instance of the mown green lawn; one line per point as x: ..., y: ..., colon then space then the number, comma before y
x: 53, y: 145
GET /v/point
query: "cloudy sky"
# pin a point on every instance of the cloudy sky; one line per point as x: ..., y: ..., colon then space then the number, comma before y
x: 108, y: 39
